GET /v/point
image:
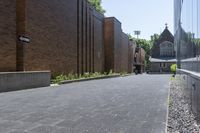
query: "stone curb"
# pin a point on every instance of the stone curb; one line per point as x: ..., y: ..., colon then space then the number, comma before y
x: 167, y: 116
x: 127, y: 75
x: 88, y: 79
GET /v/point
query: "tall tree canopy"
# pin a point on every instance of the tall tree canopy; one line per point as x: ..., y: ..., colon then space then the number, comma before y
x: 97, y: 5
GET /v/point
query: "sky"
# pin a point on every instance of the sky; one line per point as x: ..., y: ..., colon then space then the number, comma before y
x: 148, y: 16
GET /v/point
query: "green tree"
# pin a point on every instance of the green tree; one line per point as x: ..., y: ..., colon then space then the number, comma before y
x: 97, y: 5
x: 154, y: 38
x: 130, y: 37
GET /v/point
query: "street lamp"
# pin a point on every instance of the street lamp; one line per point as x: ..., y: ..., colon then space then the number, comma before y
x: 137, y: 33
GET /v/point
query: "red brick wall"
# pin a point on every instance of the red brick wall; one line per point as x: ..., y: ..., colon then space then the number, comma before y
x: 112, y: 44
x: 98, y: 42
x: 109, y: 44
x: 124, y: 53
x: 90, y: 42
x: 117, y: 45
x: 52, y: 27
x: 7, y: 35
x: 82, y: 35
x: 134, y: 47
x: 142, y: 56
x: 67, y: 36
x: 131, y: 55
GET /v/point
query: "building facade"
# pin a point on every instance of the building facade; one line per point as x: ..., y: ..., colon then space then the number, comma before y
x: 66, y: 36
x: 163, y: 53
x: 187, y: 40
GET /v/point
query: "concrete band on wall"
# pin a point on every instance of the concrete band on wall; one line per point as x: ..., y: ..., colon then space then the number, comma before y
x: 191, y: 82
x: 13, y: 81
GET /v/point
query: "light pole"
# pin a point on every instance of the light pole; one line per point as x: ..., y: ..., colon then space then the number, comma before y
x: 137, y: 33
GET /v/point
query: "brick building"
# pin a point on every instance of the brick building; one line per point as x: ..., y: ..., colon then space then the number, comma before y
x: 67, y: 36
x: 139, y: 60
x: 132, y: 47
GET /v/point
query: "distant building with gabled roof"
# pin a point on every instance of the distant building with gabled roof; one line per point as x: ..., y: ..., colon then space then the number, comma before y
x: 163, y: 53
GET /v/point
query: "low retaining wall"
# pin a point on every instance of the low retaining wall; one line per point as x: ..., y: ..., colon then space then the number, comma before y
x: 191, y: 83
x: 13, y: 81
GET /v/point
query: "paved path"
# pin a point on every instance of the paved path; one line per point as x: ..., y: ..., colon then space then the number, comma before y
x: 134, y: 104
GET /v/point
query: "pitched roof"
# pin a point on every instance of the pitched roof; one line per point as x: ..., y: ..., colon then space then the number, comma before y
x: 166, y: 35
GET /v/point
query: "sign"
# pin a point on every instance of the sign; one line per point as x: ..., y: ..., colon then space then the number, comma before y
x: 24, y: 39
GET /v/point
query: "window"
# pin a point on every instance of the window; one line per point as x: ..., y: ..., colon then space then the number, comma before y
x: 166, y: 49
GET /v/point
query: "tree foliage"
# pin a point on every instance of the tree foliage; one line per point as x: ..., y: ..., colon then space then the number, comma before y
x: 97, y: 5
x: 154, y: 38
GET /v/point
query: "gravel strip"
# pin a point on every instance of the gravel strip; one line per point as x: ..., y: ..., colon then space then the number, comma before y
x: 180, y: 118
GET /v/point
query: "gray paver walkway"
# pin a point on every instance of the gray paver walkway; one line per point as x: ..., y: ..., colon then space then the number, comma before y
x: 134, y: 104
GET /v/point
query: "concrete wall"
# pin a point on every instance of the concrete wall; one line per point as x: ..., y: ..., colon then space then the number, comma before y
x: 191, y: 84
x: 7, y: 35
x: 23, y: 80
x: 155, y: 67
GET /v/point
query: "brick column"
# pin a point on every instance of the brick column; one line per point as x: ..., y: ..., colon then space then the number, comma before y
x: 20, y: 30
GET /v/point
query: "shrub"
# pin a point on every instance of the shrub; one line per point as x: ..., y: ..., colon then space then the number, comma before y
x: 59, y: 78
x: 71, y: 76
x: 173, y: 68
x: 86, y: 75
x: 110, y: 72
x: 123, y: 73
